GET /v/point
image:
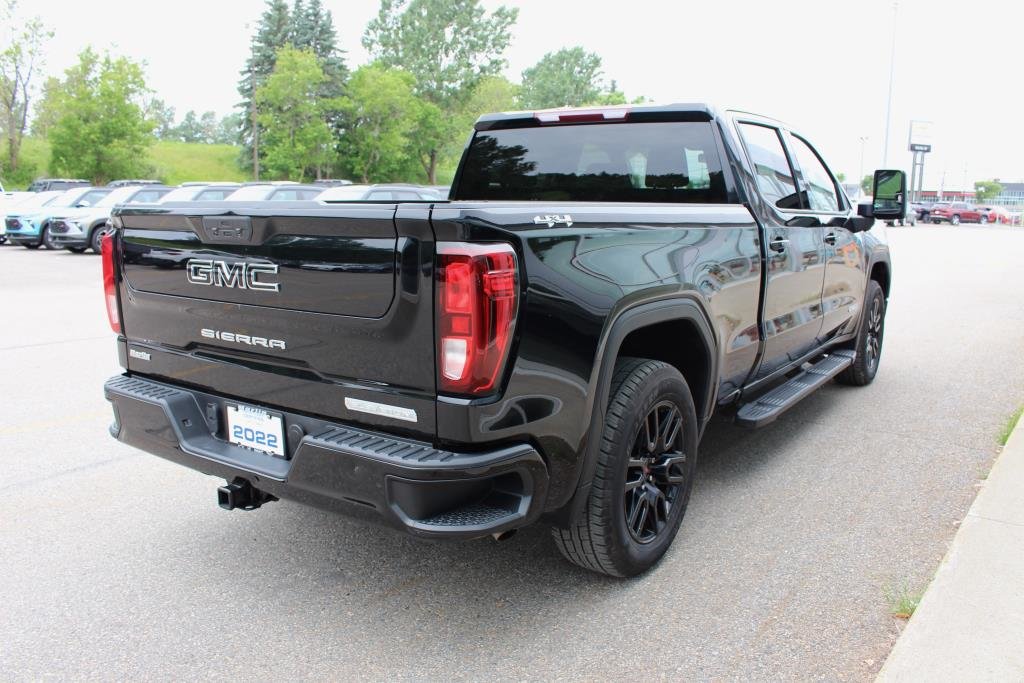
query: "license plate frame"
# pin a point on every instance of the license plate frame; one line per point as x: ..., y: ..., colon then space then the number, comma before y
x: 255, y: 428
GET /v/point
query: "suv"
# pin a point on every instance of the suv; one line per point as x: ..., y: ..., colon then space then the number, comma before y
x: 48, y: 184
x: 278, y: 192
x: 548, y: 345
x: 31, y: 228
x: 380, y: 193
x: 82, y: 228
x: 956, y: 213
x: 199, y: 192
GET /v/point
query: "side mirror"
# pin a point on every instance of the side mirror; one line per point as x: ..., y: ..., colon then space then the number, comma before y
x: 890, y: 195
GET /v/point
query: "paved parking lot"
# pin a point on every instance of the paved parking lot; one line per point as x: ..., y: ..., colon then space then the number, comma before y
x: 119, y: 565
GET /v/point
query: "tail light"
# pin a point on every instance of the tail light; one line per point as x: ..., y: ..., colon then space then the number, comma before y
x: 477, y: 302
x: 110, y: 282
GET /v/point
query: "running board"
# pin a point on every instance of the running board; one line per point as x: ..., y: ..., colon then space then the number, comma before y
x: 765, y: 409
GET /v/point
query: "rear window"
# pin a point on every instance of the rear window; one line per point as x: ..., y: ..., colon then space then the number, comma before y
x: 669, y: 162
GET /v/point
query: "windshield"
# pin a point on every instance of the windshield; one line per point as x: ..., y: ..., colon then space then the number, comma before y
x: 117, y: 196
x: 40, y: 199
x: 67, y: 198
x: 344, y: 193
x: 182, y: 194
x: 253, y: 192
x: 607, y: 162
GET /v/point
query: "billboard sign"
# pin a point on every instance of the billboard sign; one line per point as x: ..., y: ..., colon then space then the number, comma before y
x: 920, y: 136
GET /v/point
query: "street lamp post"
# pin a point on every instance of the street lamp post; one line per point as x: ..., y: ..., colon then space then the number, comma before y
x: 860, y: 173
x: 892, y: 73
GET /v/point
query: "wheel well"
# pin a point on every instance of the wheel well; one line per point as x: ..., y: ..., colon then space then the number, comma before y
x: 680, y: 344
x: 880, y: 274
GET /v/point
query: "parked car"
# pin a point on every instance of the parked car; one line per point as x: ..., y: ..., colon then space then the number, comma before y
x: 199, y: 192
x: 332, y: 182
x: 910, y: 218
x: 546, y: 346
x: 129, y: 182
x: 79, y: 229
x: 36, y: 201
x: 956, y: 213
x: 996, y: 214
x: 381, y: 193
x: 47, y: 184
x: 290, y: 192
x: 32, y: 229
x: 923, y: 209
x: 9, y: 201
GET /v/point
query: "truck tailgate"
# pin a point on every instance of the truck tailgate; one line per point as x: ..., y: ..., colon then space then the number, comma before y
x: 297, y: 305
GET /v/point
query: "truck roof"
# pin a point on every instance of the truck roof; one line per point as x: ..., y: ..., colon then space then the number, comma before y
x: 677, y: 111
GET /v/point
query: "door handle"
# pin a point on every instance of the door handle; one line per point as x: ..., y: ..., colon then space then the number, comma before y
x: 830, y: 239
x: 778, y: 244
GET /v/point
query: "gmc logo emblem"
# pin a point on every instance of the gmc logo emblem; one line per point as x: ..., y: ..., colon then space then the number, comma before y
x: 237, y: 275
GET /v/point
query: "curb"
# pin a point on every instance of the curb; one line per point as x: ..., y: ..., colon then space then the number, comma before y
x: 970, y: 623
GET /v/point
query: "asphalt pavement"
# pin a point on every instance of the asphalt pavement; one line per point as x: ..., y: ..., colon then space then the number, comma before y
x: 118, y: 565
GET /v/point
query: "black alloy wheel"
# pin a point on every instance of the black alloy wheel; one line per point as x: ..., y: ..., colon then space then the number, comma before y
x: 655, y: 474
x: 868, y: 344
x: 873, y: 345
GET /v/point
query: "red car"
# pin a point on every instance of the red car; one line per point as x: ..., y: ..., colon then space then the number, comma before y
x: 957, y: 212
x: 996, y: 214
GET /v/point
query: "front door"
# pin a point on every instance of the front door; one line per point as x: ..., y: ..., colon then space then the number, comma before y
x: 795, y: 250
x: 845, y: 276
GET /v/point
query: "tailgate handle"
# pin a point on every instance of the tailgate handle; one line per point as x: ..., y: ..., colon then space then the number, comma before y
x: 227, y: 229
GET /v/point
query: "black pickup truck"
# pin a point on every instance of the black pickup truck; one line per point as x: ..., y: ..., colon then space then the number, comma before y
x: 547, y: 345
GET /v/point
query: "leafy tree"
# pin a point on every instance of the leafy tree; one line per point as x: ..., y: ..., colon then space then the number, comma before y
x: 47, y: 109
x: 570, y: 77
x: 297, y: 138
x: 867, y: 184
x: 273, y: 31
x: 20, y: 58
x: 381, y: 117
x: 162, y: 116
x: 227, y: 129
x: 987, y: 190
x: 102, y: 132
x: 448, y: 46
x: 841, y: 177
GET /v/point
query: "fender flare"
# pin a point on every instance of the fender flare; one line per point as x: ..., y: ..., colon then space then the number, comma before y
x: 686, y: 308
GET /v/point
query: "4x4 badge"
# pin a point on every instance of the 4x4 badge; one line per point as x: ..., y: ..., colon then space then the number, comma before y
x: 552, y: 220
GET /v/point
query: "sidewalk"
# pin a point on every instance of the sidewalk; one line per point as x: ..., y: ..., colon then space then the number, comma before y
x: 970, y: 623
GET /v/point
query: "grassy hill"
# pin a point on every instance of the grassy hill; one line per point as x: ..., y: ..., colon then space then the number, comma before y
x: 173, y: 162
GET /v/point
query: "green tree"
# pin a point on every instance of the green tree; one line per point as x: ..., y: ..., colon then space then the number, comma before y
x: 47, y: 109
x: 102, y: 132
x: 867, y: 184
x: 228, y: 129
x: 987, y: 190
x: 841, y: 177
x: 297, y: 139
x: 273, y: 31
x: 570, y: 77
x: 448, y: 46
x: 381, y: 117
x: 162, y: 116
x: 20, y: 57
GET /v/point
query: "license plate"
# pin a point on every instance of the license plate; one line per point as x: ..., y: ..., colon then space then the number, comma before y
x: 255, y: 428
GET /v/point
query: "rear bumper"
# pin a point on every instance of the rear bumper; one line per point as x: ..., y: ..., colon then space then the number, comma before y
x: 406, y: 484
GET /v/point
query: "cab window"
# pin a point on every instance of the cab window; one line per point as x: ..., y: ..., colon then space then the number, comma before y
x: 775, y: 177
x: 822, y: 194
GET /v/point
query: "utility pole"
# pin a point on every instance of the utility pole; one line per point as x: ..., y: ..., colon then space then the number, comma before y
x: 860, y: 173
x: 892, y: 73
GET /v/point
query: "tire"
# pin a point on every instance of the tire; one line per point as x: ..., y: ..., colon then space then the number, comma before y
x: 96, y: 239
x: 868, y: 343
x: 983, y: 220
x: 955, y: 220
x: 48, y: 240
x: 33, y: 246
x: 76, y: 250
x: 634, y: 478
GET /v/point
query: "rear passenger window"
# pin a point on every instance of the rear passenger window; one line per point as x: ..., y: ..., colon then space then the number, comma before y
x: 772, y: 169
x: 380, y: 196
x: 822, y: 194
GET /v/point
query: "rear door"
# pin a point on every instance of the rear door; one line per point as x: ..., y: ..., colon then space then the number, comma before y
x: 293, y: 305
x: 795, y: 252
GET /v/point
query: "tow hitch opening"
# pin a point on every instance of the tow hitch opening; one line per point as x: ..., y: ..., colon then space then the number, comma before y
x: 239, y: 494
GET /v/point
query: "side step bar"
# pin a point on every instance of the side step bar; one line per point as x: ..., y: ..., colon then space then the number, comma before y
x: 767, y: 408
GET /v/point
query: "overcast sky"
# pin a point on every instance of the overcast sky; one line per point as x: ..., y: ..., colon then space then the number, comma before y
x: 820, y: 65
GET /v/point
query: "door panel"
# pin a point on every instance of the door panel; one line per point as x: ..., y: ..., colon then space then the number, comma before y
x: 795, y: 253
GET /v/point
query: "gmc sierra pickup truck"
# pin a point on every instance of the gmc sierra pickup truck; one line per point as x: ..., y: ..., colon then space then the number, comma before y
x: 547, y: 345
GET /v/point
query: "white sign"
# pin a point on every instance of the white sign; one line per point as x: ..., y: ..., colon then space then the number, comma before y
x: 920, y: 136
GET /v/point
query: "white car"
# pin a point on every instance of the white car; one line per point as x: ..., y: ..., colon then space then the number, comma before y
x: 80, y: 229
